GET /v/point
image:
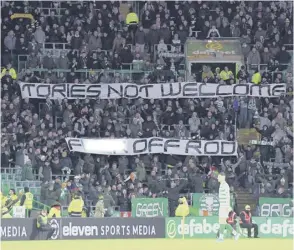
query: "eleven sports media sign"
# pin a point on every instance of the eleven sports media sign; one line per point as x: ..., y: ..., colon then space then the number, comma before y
x: 84, y: 228
x: 207, y: 227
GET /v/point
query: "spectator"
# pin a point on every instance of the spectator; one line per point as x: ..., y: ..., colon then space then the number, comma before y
x: 118, y: 43
x: 95, y: 42
x: 153, y: 36
x: 226, y: 75
x: 10, y: 41
x: 256, y: 77
x: 266, y: 56
x: 283, y: 57
x: 253, y: 58
x: 40, y: 36
x: 140, y: 38
x: 213, y: 32
x: 62, y: 62
x: 9, y: 71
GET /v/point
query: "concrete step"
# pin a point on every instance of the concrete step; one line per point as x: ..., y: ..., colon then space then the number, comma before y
x: 124, y: 10
x: 245, y: 198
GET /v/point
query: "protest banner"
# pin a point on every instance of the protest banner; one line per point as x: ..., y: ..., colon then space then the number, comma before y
x: 149, y: 207
x: 147, y: 91
x: 153, y: 145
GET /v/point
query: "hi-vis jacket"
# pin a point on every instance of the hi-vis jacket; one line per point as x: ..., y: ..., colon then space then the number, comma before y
x: 11, y: 71
x: 183, y: 208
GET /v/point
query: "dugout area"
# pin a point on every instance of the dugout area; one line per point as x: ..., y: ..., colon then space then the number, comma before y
x: 152, y: 244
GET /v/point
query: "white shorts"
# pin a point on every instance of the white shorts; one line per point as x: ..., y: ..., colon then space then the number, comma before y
x: 223, y: 213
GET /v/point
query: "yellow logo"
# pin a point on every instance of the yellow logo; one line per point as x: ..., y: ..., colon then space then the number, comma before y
x: 214, y: 46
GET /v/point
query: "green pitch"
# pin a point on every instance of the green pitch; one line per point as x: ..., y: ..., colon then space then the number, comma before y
x: 152, y: 244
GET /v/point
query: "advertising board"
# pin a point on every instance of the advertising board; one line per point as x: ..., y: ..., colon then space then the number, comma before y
x: 85, y: 228
x: 275, y: 207
x: 148, y: 207
x: 207, y: 227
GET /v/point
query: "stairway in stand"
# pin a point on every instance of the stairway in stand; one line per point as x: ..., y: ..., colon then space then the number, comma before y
x: 245, y: 198
x: 124, y: 9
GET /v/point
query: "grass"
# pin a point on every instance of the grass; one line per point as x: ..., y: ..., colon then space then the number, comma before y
x: 151, y: 244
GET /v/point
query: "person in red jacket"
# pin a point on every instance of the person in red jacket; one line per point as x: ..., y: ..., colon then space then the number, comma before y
x: 232, y: 225
x: 246, y: 222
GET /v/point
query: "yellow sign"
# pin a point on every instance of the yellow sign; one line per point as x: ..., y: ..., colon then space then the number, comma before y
x: 213, y: 45
x: 22, y: 15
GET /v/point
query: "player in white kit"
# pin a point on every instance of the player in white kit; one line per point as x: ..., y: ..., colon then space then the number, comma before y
x: 224, y: 206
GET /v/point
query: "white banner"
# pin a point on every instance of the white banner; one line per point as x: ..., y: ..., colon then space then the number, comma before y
x: 147, y: 91
x: 153, y: 145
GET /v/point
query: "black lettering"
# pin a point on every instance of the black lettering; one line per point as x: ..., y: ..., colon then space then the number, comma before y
x: 129, y: 95
x: 28, y: 87
x: 171, y: 89
x: 93, y: 91
x: 195, y: 145
x: 152, y: 143
x: 111, y: 90
x: 169, y: 144
x: 136, y: 146
x: 207, y: 89
x: 59, y: 91
x: 43, y: 90
x: 228, y: 147
x: 72, y: 143
x: 190, y: 89
x: 241, y: 89
x: 145, y: 87
x: 278, y: 89
x: 259, y: 91
x: 223, y: 90
x: 77, y: 91
x: 211, y: 147
x: 255, y: 90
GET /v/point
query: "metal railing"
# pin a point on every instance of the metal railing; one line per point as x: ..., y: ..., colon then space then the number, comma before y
x: 288, y: 46
x: 264, y: 68
x: 62, y: 46
x: 91, y: 212
x: 170, y: 49
x: 87, y: 72
x: 12, y: 174
x: 58, y: 11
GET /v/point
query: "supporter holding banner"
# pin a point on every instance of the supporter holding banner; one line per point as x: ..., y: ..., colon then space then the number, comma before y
x: 147, y: 91
x: 153, y: 145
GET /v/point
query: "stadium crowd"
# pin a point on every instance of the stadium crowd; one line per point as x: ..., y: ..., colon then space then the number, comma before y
x: 100, y: 42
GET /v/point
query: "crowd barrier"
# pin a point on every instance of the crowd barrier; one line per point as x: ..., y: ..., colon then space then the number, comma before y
x: 122, y: 228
